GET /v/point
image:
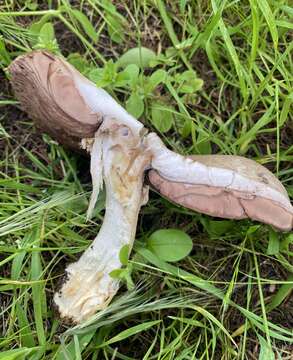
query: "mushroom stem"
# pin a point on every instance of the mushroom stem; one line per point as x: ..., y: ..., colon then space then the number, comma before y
x: 89, y: 286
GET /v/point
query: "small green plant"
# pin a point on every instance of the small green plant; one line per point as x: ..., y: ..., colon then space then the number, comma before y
x: 124, y: 273
x: 146, y: 91
x: 46, y: 38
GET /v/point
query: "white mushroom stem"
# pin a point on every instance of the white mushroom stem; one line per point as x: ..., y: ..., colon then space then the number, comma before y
x: 245, y: 178
x: 89, y: 286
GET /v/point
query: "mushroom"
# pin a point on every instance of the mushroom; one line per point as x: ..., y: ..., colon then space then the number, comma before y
x: 224, y: 186
x: 75, y: 112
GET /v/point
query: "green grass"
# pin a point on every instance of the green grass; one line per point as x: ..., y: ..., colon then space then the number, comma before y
x: 231, y: 297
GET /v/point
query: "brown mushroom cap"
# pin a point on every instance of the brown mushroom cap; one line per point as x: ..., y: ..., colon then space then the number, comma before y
x: 224, y: 202
x: 44, y: 84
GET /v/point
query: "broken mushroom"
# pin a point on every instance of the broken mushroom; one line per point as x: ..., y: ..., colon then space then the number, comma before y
x: 225, y: 186
x: 75, y: 112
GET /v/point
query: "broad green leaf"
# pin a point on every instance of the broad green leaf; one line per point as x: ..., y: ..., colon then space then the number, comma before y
x: 117, y: 273
x: 170, y: 244
x: 96, y: 75
x: 47, y: 33
x: 139, y: 56
x: 135, y: 105
x: 124, y: 254
x: 131, y: 72
x: 217, y: 227
x: 188, y: 82
x: 191, y: 86
x: 158, y: 77
x: 162, y: 117
x: 31, y: 5
x: 186, y: 129
x: 86, y: 25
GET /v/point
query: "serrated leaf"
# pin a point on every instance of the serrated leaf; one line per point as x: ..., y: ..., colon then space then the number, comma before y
x: 162, y: 117
x: 170, y: 244
x: 86, y: 25
x: 135, y: 105
x: 139, y: 56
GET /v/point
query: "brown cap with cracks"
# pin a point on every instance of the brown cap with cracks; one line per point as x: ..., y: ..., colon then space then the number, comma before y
x: 45, y: 86
x: 226, y: 202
